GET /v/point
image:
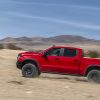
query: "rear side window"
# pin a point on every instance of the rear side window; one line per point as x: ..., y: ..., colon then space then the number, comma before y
x: 70, y: 52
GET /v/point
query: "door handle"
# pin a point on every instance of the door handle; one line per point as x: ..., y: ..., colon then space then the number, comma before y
x: 75, y: 60
x: 56, y: 58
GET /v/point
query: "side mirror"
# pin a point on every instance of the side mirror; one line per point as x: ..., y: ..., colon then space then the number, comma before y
x: 44, y: 54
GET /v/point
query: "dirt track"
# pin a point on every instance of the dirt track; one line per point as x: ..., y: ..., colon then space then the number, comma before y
x: 46, y: 87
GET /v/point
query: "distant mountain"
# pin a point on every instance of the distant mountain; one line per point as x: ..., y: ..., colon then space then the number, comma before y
x: 34, y: 41
x: 68, y: 39
x: 57, y: 39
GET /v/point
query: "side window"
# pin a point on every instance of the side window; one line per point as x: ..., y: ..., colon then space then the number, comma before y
x: 54, y: 52
x: 70, y: 52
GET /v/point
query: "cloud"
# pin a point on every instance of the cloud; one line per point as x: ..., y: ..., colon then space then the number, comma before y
x: 57, y: 4
x: 37, y: 3
x: 55, y: 20
x: 85, y: 7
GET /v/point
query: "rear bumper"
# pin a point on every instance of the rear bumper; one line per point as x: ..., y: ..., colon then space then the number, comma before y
x: 19, y: 65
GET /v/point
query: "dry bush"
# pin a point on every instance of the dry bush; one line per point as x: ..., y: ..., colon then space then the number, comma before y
x: 31, y: 50
x: 1, y: 46
x: 93, y: 54
x: 38, y: 50
x: 13, y: 47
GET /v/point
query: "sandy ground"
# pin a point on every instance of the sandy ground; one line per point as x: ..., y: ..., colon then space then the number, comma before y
x: 46, y: 87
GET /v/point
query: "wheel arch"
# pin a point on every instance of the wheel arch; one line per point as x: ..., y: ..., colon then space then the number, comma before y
x: 92, y: 67
x: 32, y: 61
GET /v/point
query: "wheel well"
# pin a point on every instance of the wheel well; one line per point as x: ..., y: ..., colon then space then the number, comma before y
x: 30, y: 61
x: 92, y: 68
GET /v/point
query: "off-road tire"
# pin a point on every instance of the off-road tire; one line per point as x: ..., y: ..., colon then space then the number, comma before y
x: 94, y: 76
x: 30, y: 70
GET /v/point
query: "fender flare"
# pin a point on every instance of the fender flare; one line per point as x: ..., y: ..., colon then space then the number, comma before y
x: 33, y: 61
x: 90, y: 67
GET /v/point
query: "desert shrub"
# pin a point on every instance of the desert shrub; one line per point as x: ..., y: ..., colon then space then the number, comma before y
x: 38, y: 50
x: 31, y: 50
x: 13, y: 47
x: 1, y: 46
x: 93, y: 54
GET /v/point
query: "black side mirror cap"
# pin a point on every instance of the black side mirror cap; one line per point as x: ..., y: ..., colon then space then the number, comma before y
x: 44, y: 54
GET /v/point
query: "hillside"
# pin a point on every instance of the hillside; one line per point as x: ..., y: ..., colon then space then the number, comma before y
x: 26, y: 42
x: 56, y: 39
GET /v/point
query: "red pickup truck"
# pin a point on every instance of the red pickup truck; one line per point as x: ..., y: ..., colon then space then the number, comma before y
x: 59, y: 59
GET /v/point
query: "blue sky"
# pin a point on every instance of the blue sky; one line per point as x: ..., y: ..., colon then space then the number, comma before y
x: 49, y: 18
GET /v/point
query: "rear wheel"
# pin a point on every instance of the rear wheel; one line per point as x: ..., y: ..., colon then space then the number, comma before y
x: 30, y: 70
x: 94, y: 76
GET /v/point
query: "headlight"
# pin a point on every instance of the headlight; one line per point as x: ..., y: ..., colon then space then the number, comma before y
x: 19, y: 55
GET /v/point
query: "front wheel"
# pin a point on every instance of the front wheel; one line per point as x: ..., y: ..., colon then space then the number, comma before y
x: 94, y: 76
x: 30, y: 70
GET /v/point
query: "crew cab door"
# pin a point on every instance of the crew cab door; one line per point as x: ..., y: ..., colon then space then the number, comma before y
x: 61, y: 60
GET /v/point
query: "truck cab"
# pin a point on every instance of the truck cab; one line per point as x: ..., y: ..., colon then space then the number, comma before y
x: 63, y: 60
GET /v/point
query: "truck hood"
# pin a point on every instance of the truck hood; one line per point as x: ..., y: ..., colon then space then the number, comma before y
x: 29, y: 53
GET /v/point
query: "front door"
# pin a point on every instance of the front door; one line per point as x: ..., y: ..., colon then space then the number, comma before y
x: 50, y: 63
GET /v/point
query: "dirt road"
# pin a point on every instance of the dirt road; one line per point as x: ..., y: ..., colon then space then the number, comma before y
x: 46, y: 87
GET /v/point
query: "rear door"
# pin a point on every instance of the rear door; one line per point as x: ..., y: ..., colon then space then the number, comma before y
x: 69, y: 61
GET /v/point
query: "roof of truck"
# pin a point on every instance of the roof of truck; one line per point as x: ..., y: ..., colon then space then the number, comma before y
x: 64, y: 46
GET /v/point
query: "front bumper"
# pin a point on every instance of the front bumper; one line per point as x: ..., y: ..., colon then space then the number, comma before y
x: 19, y: 65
